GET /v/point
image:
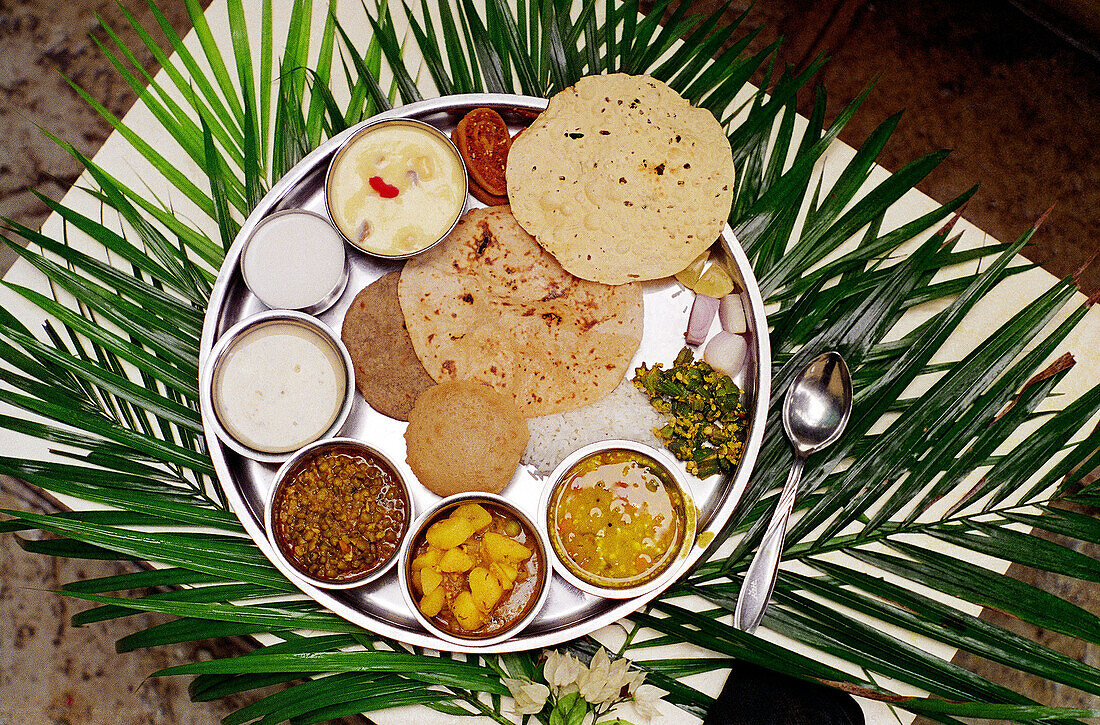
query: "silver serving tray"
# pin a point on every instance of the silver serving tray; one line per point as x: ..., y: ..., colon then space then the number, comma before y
x: 379, y: 606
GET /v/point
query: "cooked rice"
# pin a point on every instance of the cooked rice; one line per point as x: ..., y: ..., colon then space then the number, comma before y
x: 625, y: 413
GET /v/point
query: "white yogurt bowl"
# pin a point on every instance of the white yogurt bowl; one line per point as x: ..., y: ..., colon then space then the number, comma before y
x: 295, y: 260
x: 276, y: 382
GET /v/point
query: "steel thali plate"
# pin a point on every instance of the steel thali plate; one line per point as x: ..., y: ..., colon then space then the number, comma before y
x: 379, y: 606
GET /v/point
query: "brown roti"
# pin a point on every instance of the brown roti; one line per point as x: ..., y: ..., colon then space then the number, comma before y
x: 489, y: 304
x: 387, y: 371
x: 622, y: 179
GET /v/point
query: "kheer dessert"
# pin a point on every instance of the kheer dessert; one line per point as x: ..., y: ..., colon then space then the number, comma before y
x: 396, y: 188
x: 622, y: 179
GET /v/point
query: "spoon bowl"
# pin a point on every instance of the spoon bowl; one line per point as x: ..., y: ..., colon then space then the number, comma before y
x: 818, y: 403
x: 815, y: 411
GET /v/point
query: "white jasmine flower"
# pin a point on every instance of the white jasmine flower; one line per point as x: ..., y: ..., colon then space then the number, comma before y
x: 634, y: 681
x: 604, y: 680
x: 619, y: 673
x: 562, y: 672
x: 646, y: 698
x: 529, y: 697
x: 593, y: 681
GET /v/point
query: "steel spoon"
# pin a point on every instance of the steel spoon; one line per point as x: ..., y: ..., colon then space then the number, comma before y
x: 815, y: 411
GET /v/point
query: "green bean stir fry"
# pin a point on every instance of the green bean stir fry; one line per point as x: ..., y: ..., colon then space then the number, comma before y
x: 708, y: 421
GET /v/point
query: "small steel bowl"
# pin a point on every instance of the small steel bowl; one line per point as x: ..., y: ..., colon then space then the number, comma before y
x: 285, y: 561
x: 208, y: 378
x: 440, y: 511
x: 369, y: 127
x: 605, y: 587
x: 329, y: 297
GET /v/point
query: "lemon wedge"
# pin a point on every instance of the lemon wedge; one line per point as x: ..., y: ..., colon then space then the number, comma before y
x: 706, y: 276
x: 714, y: 282
x: 690, y: 274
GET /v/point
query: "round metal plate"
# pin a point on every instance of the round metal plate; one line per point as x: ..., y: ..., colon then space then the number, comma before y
x: 380, y: 606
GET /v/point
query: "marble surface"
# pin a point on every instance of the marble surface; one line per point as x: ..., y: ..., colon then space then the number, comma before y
x: 1016, y: 104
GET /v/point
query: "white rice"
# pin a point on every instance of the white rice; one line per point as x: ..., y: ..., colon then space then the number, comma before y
x: 625, y: 413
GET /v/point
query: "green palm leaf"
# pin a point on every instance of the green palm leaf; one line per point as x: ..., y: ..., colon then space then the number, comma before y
x: 115, y: 378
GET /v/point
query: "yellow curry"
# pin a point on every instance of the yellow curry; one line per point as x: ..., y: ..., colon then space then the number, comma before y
x: 617, y: 519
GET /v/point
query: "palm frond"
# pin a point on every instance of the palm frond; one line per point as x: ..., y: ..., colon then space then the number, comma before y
x: 113, y: 385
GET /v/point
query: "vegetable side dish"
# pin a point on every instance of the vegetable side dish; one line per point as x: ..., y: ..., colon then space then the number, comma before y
x: 476, y: 571
x: 707, y: 422
x: 617, y: 518
x: 341, y: 516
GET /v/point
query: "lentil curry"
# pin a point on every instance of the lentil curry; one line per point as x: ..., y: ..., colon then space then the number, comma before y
x: 341, y: 515
x: 617, y: 519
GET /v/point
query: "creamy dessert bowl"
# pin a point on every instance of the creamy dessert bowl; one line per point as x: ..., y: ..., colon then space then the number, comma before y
x: 396, y: 188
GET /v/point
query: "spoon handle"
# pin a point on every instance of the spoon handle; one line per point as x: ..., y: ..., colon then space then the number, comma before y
x: 756, y: 590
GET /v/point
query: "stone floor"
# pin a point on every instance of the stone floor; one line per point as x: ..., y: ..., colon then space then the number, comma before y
x: 1019, y: 106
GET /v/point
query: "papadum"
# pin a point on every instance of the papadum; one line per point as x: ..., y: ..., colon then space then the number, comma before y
x: 622, y: 179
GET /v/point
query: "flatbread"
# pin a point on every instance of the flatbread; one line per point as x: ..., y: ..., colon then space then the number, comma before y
x: 489, y: 304
x: 387, y: 371
x: 622, y: 179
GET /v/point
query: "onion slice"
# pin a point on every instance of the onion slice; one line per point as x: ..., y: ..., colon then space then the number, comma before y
x: 727, y: 353
x: 703, y: 311
x: 731, y: 311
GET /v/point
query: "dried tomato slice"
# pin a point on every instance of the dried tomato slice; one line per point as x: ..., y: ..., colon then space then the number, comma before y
x: 485, y: 197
